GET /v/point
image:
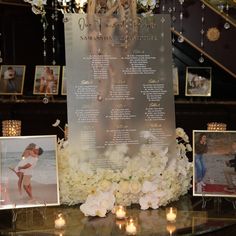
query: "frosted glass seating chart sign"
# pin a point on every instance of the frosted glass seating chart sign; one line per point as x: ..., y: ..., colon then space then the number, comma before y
x: 120, y: 92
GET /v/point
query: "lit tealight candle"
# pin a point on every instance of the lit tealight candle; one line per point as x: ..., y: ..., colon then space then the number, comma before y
x: 120, y: 212
x: 131, y: 229
x: 60, y: 222
x: 171, y: 215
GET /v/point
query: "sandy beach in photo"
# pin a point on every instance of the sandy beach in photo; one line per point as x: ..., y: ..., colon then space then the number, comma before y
x: 42, y: 193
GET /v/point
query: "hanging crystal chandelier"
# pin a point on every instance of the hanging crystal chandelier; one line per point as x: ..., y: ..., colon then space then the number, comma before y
x: 65, y: 6
x: 77, y: 6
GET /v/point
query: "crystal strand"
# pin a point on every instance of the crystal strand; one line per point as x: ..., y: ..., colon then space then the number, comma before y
x: 162, y: 47
x: 53, y: 16
x: 173, y: 18
x: 202, y: 32
x: 56, y: 10
x: 126, y: 26
x: 163, y: 8
x: 226, y: 24
x: 70, y: 6
x: 44, y: 39
x: 1, y: 57
x: 181, y: 15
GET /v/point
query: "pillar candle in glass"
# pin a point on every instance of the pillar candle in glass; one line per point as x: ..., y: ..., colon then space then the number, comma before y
x: 11, y: 128
x: 120, y: 212
x: 60, y: 222
x: 171, y: 214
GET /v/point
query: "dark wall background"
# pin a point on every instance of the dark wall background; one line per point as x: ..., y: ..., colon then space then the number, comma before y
x: 21, y: 44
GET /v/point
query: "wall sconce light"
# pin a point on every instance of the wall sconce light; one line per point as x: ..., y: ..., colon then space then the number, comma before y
x: 11, y: 128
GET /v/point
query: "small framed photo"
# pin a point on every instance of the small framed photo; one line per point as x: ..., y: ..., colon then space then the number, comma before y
x: 214, y: 158
x: 64, y: 79
x: 198, y: 81
x: 46, y: 80
x: 175, y: 80
x: 28, y: 173
x: 12, y: 79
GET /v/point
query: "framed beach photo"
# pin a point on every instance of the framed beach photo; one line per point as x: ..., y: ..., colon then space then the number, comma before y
x: 46, y: 80
x: 214, y: 159
x: 64, y: 79
x: 12, y: 79
x: 198, y: 81
x: 175, y: 80
x: 28, y: 172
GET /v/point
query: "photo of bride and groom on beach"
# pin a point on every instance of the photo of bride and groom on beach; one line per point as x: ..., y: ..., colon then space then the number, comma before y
x: 28, y: 172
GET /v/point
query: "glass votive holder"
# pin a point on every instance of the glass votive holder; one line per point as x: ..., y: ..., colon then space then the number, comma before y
x: 171, y: 214
x: 11, y: 128
x: 120, y: 212
x: 131, y: 227
x: 60, y: 221
x: 216, y: 126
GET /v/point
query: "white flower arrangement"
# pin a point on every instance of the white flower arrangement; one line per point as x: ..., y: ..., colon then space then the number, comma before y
x: 148, y: 178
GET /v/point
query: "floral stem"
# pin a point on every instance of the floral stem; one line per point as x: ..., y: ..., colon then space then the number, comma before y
x: 61, y: 128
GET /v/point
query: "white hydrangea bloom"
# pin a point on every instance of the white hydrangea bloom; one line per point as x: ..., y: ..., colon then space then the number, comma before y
x: 148, y: 187
x: 149, y: 200
x: 98, y: 204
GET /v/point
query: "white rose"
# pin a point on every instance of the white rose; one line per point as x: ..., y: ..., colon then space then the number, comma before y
x: 135, y: 187
x: 189, y: 148
x: 105, y: 185
x: 123, y: 186
x: 148, y: 187
x: 118, y: 195
x: 186, y: 138
x: 180, y: 132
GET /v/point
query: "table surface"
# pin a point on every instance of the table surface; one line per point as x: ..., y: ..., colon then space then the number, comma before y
x: 191, y: 219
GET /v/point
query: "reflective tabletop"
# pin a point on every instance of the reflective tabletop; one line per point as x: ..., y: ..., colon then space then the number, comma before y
x: 191, y: 219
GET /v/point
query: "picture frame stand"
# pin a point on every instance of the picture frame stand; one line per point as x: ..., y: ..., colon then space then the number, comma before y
x: 13, y: 98
x: 29, y: 214
x: 232, y: 201
x: 205, y: 200
x: 14, y: 216
x: 217, y: 201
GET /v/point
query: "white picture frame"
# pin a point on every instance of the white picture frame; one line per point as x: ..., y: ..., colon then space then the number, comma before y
x: 22, y: 155
x: 214, y: 171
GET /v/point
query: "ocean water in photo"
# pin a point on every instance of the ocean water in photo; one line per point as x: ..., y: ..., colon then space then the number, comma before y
x: 45, y: 171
